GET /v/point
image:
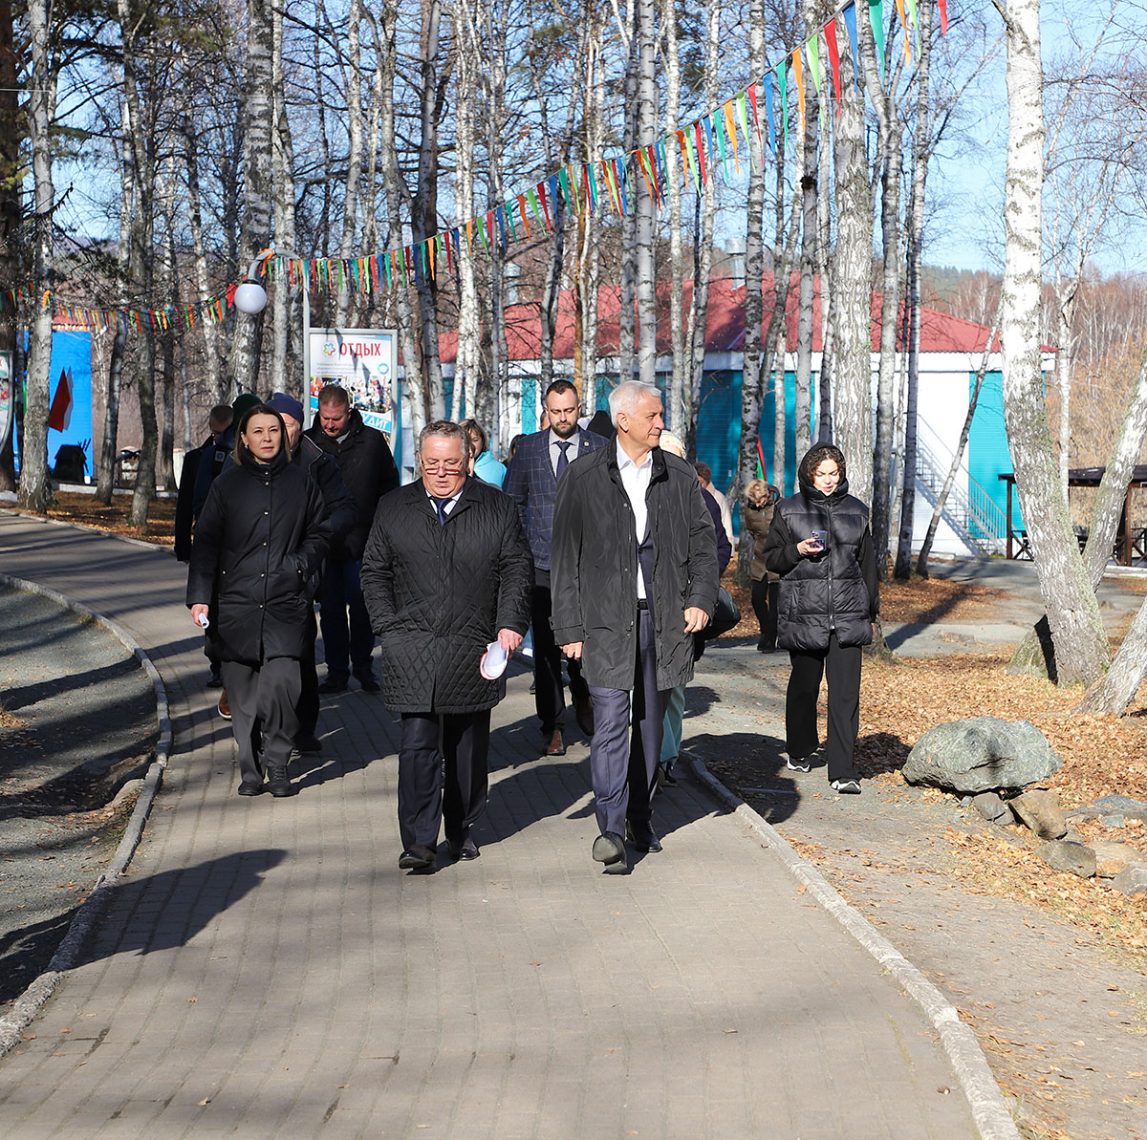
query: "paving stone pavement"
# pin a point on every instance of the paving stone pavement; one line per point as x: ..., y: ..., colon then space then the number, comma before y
x: 264, y: 968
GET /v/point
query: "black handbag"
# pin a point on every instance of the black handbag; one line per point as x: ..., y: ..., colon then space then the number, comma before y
x: 725, y: 616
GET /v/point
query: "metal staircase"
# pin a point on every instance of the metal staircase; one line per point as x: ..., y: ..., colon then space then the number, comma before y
x: 968, y: 510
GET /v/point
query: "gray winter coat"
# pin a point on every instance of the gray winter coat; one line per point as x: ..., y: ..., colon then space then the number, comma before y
x: 593, y: 567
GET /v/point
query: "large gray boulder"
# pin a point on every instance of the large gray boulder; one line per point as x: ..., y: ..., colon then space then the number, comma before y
x: 981, y: 754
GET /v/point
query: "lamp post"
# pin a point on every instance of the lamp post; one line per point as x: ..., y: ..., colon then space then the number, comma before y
x: 251, y: 298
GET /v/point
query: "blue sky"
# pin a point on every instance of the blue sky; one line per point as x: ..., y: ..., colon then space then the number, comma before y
x: 965, y: 227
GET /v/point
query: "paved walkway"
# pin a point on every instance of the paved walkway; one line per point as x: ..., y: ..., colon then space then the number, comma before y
x: 265, y: 969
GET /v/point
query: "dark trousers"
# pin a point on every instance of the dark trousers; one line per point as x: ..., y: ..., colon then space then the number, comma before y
x: 842, y: 666
x: 442, y: 773
x: 627, y: 742
x: 308, y: 704
x: 765, y: 597
x: 549, y: 697
x: 263, y: 698
x: 347, y: 637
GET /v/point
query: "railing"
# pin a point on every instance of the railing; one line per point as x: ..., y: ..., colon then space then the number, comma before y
x: 969, y: 509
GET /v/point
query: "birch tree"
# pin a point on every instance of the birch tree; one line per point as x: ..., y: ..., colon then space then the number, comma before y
x: 647, y: 100
x: 752, y: 396
x: 258, y: 180
x: 12, y: 132
x: 889, y: 159
x: 1069, y: 601
x: 702, y: 247
x: 424, y: 404
x: 852, y: 288
x: 35, y: 487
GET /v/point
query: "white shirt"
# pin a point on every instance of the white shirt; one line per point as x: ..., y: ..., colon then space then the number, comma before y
x: 555, y: 450
x: 450, y: 503
x: 635, y: 480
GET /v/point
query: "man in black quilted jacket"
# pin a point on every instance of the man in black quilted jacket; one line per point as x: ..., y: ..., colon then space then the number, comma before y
x: 446, y: 573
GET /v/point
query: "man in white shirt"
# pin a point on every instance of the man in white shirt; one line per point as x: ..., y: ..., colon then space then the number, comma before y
x: 634, y: 576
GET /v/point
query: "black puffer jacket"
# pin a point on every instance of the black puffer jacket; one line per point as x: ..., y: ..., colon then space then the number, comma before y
x: 369, y: 472
x: 437, y: 595
x: 837, y: 590
x: 593, y: 562
x: 259, y: 538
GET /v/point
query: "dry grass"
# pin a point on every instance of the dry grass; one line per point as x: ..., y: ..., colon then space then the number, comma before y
x: 86, y: 510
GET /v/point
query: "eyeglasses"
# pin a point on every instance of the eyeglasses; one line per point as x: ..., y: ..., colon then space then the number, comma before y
x: 434, y: 466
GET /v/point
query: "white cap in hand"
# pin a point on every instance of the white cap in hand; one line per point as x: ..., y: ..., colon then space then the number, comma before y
x: 494, y: 661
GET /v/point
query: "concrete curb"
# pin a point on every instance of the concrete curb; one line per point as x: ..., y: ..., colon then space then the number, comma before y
x: 989, y: 1108
x: 29, y: 1003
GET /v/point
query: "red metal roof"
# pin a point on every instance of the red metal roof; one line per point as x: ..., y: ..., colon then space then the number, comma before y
x: 724, y: 326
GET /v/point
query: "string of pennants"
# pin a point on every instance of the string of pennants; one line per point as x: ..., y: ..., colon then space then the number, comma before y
x: 711, y: 142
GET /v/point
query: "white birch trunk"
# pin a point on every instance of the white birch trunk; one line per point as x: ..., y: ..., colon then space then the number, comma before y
x: 890, y: 142
x: 286, y: 322
x: 702, y: 245
x: 258, y: 179
x: 35, y: 486
x: 921, y: 152
x: 752, y: 378
x: 465, y: 111
x: 680, y: 374
x: 212, y: 361
x: 1070, y: 603
x: 421, y: 403
x: 646, y: 133
x: 852, y: 287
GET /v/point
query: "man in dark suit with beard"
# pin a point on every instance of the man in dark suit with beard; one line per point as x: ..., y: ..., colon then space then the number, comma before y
x: 539, y: 463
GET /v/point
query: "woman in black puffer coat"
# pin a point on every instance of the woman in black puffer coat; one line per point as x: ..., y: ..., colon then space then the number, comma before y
x: 258, y: 541
x: 820, y: 545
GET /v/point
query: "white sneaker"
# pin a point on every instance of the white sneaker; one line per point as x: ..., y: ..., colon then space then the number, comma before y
x: 846, y: 787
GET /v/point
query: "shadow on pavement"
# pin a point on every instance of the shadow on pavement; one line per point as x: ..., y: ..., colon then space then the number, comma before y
x: 167, y: 909
x: 25, y: 953
x: 752, y: 765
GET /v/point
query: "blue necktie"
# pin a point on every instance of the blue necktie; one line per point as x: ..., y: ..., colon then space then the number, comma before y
x: 563, y: 458
x: 441, y: 506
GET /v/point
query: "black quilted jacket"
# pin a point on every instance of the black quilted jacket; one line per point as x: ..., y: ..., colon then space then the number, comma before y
x: 259, y: 540
x: 437, y: 595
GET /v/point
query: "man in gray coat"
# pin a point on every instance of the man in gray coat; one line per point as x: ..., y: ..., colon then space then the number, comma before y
x: 634, y: 576
x: 446, y: 572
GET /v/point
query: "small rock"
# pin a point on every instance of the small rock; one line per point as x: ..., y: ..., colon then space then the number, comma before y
x: 1112, y: 859
x: 981, y: 754
x: 1041, y: 812
x: 1112, y: 805
x: 992, y: 808
x: 1113, y: 820
x: 1133, y: 881
x: 1074, y: 858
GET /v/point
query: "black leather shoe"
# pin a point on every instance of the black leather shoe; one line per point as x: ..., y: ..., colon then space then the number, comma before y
x: 583, y: 714
x: 279, y: 783
x: 643, y: 839
x: 335, y: 683
x: 416, y: 858
x: 609, y: 848
x: 465, y: 851
x: 250, y: 788
x: 368, y: 683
